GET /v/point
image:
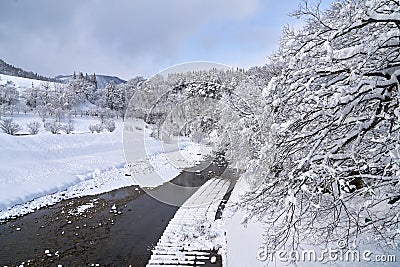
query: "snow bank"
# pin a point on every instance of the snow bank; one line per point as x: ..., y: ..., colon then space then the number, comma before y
x: 40, y: 170
x: 33, y: 166
x: 245, y: 244
x: 161, y: 162
x: 243, y: 241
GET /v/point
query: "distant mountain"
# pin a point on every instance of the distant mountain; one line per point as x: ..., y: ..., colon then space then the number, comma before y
x: 102, y: 80
x: 8, y: 69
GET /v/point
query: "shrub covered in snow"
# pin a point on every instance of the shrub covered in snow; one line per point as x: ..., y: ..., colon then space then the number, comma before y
x: 54, y: 127
x: 33, y: 127
x: 69, y: 127
x: 96, y: 128
x: 109, y: 125
x: 9, y: 127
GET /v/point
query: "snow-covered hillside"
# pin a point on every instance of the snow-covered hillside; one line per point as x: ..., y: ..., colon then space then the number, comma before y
x: 20, y: 83
x: 8, y: 69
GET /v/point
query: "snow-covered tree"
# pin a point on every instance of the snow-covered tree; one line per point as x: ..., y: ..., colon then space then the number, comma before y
x: 32, y: 96
x: 33, y: 127
x: 201, y: 104
x: 114, y: 97
x: 8, y: 98
x: 8, y: 94
x: 53, y: 126
x: 69, y: 127
x: 9, y: 127
x: 109, y: 125
x: 96, y: 128
x: 332, y: 168
x: 83, y: 89
x: 128, y: 89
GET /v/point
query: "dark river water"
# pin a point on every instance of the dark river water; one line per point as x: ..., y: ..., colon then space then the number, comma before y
x: 103, y: 235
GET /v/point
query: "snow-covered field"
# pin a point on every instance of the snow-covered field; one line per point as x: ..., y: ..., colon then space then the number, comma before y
x: 39, y: 170
x: 20, y: 83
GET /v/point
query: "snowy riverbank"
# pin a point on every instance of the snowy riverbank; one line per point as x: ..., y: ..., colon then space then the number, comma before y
x: 40, y: 170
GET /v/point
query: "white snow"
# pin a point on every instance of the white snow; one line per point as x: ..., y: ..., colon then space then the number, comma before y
x: 33, y: 166
x: 193, y: 229
x: 40, y: 170
x: 20, y: 83
x: 348, y: 52
x: 245, y: 242
x: 165, y: 161
x: 82, y: 208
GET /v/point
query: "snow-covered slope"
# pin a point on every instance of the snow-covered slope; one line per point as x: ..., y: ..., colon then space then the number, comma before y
x: 20, y: 83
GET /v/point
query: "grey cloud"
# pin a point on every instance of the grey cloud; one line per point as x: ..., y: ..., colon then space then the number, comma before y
x: 116, y: 37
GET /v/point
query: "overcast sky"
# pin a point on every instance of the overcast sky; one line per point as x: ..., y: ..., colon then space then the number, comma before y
x: 127, y: 38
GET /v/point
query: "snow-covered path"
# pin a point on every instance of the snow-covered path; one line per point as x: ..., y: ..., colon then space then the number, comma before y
x: 193, y: 231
